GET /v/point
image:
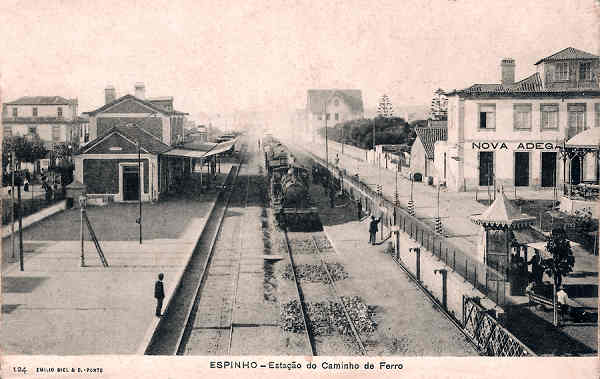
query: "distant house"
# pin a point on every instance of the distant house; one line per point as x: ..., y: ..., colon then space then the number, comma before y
x: 422, y: 151
x: 333, y: 106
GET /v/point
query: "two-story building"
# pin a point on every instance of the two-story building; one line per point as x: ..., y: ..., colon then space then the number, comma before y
x: 52, y: 119
x: 332, y: 105
x: 124, y: 129
x: 508, y: 133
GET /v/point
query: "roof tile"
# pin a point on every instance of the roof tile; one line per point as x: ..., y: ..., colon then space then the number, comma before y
x: 429, y: 136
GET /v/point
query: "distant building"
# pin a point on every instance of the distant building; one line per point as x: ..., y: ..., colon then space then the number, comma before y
x: 508, y: 133
x: 122, y: 127
x: 197, y: 133
x: 53, y: 119
x: 422, y: 157
x: 332, y: 105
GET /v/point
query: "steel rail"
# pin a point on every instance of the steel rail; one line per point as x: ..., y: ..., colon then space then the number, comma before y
x: 363, y: 349
x: 308, y: 333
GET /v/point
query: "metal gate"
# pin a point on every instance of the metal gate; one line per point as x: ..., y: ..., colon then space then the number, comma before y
x: 491, y: 338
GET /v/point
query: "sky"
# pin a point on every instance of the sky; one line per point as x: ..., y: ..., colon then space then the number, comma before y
x: 216, y: 57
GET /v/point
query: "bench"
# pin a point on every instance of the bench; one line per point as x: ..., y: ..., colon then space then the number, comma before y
x: 539, y: 299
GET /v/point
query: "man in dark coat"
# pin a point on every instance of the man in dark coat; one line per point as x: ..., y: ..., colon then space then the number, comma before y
x: 373, y: 229
x: 159, y: 294
x: 359, y: 209
x: 537, y: 271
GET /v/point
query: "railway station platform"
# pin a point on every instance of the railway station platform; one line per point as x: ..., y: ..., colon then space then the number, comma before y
x: 56, y: 307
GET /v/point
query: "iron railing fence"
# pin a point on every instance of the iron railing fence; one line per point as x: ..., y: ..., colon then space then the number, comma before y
x: 491, y: 281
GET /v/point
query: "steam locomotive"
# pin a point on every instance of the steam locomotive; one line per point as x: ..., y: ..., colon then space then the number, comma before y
x: 289, y: 183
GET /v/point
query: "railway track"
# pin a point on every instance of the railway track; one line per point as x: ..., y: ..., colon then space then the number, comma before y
x: 174, y: 329
x: 319, y: 345
x: 209, y: 329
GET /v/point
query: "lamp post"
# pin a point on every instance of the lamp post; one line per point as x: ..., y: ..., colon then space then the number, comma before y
x: 326, y: 144
x: 12, y: 208
x: 82, y: 206
x: 411, y: 203
x: 141, y: 185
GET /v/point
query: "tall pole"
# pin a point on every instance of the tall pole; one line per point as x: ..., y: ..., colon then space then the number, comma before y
x: 326, y: 141
x: 12, y: 202
x: 141, y: 185
x: 20, y: 227
x: 343, y: 139
x: 82, y: 215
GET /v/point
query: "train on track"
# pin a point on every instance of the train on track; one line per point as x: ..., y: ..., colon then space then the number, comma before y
x: 289, y: 183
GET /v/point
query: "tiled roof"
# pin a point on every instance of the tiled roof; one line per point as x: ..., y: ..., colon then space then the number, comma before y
x: 41, y: 100
x: 502, y: 214
x: 568, y: 53
x: 144, y: 102
x: 318, y: 97
x: 135, y: 134
x: 429, y: 136
x: 530, y: 83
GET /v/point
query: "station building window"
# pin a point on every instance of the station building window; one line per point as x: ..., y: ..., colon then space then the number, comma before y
x: 549, y: 116
x: 487, y: 116
x: 597, y: 115
x: 522, y: 116
x: 34, y: 112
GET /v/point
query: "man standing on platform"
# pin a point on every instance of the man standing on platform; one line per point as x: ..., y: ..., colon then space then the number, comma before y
x: 373, y: 229
x: 359, y: 208
x: 159, y: 294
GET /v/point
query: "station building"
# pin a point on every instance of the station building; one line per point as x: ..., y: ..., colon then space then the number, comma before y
x: 124, y: 129
x: 509, y: 133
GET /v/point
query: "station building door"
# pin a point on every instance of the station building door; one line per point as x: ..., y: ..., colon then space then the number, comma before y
x: 131, y: 183
x: 521, y: 169
x: 548, y: 169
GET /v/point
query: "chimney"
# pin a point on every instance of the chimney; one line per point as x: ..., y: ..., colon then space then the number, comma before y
x: 109, y: 94
x: 508, y: 71
x: 140, y: 91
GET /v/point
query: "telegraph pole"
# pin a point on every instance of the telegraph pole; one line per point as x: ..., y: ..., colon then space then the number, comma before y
x: 20, y: 215
x: 141, y: 186
x: 12, y: 203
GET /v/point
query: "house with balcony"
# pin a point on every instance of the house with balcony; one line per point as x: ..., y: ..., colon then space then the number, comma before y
x: 510, y: 133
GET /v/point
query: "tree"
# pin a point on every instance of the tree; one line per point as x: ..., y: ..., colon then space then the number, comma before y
x: 439, y: 105
x: 26, y: 149
x: 562, y: 261
x: 385, y: 109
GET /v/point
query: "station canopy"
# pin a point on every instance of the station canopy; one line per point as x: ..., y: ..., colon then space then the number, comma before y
x: 203, y: 150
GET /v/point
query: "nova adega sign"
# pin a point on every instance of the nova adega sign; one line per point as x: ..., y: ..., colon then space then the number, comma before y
x: 499, y: 145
